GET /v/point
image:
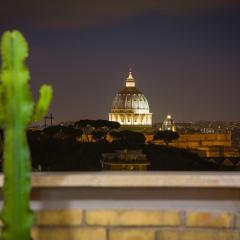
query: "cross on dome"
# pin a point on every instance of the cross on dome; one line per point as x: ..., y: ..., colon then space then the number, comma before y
x: 130, y: 75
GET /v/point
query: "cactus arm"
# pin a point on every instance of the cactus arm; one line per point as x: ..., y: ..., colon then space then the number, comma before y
x: 2, y: 109
x: 17, y: 110
x: 43, y: 102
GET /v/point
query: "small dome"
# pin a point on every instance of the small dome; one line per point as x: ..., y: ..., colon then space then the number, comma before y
x: 168, y: 124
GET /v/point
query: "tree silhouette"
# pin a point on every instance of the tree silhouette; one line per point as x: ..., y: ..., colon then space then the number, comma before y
x: 62, y: 132
x: 94, y: 127
x: 167, y: 136
x: 128, y: 139
x: 98, y: 135
x: 86, y: 126
x: 106, y: 126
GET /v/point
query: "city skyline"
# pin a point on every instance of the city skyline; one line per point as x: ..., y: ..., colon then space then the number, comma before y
x: 184, y: 58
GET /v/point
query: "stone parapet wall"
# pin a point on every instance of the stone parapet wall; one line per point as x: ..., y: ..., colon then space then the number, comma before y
x: 136, y: 206
x: 80, y: 224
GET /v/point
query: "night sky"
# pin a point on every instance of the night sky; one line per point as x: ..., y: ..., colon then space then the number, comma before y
x: 185, y: 55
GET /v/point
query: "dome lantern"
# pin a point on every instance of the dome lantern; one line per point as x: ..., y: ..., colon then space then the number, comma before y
x: 130, y: 82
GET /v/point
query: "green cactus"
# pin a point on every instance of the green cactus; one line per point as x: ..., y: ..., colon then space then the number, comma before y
x: 17, y: 110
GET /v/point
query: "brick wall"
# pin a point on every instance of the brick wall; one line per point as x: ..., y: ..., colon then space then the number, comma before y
x: 77, y: 224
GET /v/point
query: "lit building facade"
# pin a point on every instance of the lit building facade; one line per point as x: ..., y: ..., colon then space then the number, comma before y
x: 130, y: 107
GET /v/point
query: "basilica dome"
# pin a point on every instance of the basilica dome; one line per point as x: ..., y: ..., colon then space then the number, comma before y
x: 130, y: 106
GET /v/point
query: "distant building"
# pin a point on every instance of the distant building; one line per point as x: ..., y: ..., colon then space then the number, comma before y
x: 205, y: 144
x: 168, y: 124
x: 132, y: 160
x: 130, y: 106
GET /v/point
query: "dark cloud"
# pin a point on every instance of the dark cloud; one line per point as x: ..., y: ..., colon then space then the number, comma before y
x: 60, y: 14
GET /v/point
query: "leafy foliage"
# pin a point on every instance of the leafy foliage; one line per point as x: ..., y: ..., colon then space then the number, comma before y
x: 17, y: 109
x: 172, y: 158
x: 96, y: 129
x: 128, y: 139
x: 54, y: 149
x: 167, y: 136
x: 62, y: 132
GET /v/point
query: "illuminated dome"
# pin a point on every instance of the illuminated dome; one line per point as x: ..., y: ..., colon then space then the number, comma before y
x: 130, y: 106
x: 168, y: 124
